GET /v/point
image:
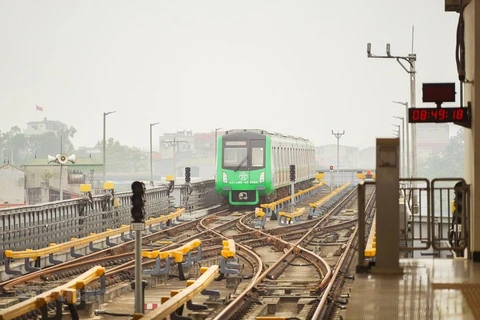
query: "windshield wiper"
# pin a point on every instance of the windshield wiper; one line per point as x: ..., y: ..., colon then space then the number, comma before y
x: 241, y: 163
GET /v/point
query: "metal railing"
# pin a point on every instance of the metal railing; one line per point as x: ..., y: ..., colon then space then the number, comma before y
x: 36, y: 226
x: 432, y: 223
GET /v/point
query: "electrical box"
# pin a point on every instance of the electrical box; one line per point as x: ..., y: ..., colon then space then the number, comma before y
x: 454, y: 5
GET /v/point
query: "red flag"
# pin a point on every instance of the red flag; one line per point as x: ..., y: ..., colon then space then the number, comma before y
x: 39, y: 108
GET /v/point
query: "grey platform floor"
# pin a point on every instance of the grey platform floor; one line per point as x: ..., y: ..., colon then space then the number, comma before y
x: 427, y: 289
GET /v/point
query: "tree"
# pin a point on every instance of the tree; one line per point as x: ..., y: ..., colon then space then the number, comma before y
x: 448, y: 163
x: 19, y: 148
x: 123, y: 158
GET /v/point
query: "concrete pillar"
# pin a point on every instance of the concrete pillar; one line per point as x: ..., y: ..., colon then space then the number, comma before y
x: 387, y: 208
x: 472, y: 136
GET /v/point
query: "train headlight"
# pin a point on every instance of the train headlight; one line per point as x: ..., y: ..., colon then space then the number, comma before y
x: 262, y: 177
x: 224, y: 177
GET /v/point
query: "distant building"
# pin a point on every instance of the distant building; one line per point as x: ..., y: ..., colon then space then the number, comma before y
x: 178, y: 142
x: 12, y: 186
x: 41, y: 127
x: 326, y: 156
x: 367, y: 158
x: 43, y: 179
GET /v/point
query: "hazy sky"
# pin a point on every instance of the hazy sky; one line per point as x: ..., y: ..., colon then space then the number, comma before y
x: 296, y: 67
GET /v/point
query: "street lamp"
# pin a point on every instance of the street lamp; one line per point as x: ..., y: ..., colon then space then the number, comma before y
x: 410, y: 59
x: 403, y: 143
x: 406, y: 130
x: 398, y: 135
x: 338, y: 135
x: 105, y: 114
x: 216, y: 130
x: 151, y: 153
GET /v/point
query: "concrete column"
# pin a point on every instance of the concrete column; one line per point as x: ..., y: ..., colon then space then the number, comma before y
x: 472, y: 136
x: 387, y: 214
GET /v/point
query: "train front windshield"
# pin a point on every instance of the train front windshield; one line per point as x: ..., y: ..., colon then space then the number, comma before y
x: 244, y: 155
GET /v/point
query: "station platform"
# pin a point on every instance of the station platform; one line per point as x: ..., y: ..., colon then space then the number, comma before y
x: 427, y: 289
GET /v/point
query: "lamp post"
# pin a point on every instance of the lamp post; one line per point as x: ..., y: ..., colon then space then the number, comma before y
x: 403, y: 143
x: 406, y: 132
x: 151, y: 154
x: 398, y: 135
x: 105, y: 114
x: 338, y: 135
x: 410, y: 59
x: 216, y: 130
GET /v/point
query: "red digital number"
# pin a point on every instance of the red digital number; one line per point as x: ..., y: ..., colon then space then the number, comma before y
x: 433, y: 113
x: 442, y: 114
x: 415, y: 115
x: 458, y: 114
x: 423, y: 115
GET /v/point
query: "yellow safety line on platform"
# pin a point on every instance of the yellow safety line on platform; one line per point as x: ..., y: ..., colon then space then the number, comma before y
x: 68, y: 291
x: 180, y: 298
x: 371, y: 247
x: 54, y: 248
x: 272, y: 205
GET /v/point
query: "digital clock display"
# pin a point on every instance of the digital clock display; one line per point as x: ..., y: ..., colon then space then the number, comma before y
x: 426, y: 115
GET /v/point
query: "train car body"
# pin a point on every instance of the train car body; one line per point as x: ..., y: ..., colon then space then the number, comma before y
x: 253, y: 165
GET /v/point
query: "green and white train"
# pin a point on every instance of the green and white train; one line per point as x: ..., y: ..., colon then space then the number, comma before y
x: 253, y: 166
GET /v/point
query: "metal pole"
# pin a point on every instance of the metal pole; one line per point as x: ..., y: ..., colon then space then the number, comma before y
x: 104, y: 145
x: 338, y: 160
x: 174, y: 160
x: 215, y: 149
x: 292, y: 190
x: 408, y: 139
x: 151, y: 154
x: 61, y: 185
x: 216, y: 146
x: 412, y: 58
x: 338, y: 135
x: 406, y: 131
x: 138, y: 272
x: 105, y: 114
x: 361, y: 224
x: 151, y: 157
x: 399, y: 135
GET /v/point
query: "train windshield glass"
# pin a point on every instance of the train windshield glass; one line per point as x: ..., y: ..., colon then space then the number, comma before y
x: 235, y: 157
x: 257, y: 149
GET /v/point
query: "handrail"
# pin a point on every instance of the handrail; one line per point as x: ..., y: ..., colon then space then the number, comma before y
x: 54, y: 248
x: 65, y: 291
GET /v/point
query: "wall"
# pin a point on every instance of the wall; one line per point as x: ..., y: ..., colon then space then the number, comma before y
x: 472, y: 137
x: 12, y: 185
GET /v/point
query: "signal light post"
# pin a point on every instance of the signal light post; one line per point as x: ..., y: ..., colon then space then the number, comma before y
x: 138, y: 225
x: 292, y: 180
x: 331, y: 178
x: 187, y: 174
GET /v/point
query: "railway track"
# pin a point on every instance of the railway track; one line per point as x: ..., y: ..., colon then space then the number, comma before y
x: 301, y: 267
x: 297, y: 255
